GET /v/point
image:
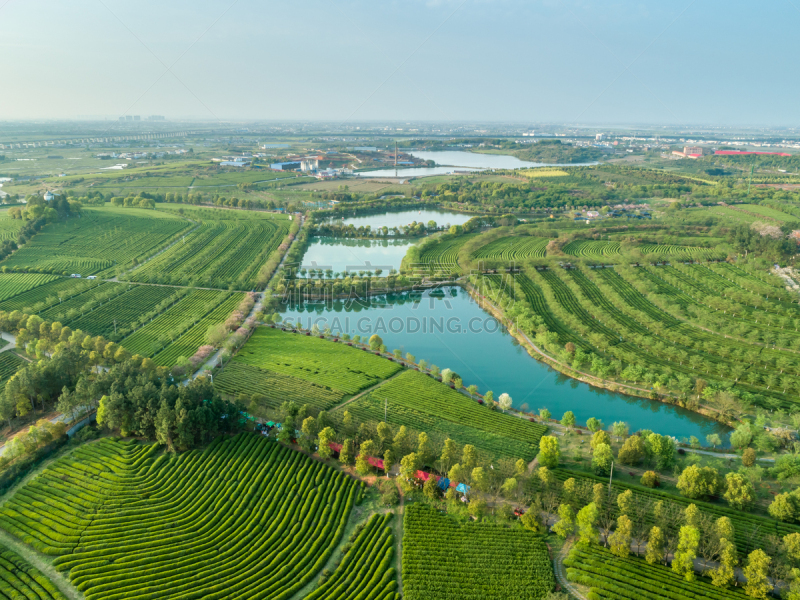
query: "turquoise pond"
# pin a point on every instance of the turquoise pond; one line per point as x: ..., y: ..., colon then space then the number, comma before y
x: 450, y: 330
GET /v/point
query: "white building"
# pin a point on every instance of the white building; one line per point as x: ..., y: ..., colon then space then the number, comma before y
x: 48, y: 196
x: 309, y: 164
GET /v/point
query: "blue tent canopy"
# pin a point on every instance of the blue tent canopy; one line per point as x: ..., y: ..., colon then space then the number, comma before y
x: 462, y: 488
x: 444, y: 483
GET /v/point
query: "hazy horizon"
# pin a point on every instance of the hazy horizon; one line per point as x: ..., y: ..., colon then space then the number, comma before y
x: 493, y: 61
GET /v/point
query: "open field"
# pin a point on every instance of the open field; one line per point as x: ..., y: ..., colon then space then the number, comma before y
x: 424, y: 404
x: 335, y: 367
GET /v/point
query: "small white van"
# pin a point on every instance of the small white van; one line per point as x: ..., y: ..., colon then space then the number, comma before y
x: 91, y: 277
x: 75, y: 275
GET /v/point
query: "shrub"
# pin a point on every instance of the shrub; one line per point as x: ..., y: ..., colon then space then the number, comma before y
x: 650, y: 479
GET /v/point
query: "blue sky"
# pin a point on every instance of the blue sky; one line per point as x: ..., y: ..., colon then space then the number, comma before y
x: 620, y: 62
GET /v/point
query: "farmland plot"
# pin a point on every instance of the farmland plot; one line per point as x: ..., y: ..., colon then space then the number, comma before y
x: 244, y: 518
x: 422, y: 403
x: 444, y: 560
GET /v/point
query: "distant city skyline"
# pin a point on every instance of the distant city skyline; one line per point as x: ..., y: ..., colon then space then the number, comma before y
x: 570, y: 62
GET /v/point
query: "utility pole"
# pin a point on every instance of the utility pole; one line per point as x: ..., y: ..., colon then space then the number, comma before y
x: 751, y: 178
x: 610, y: 477
x: 115, y: 327
x: 395, y: 158
x: 385, y: 409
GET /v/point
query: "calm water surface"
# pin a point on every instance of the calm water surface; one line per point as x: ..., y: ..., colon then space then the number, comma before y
x: 453, y: 331
x: 346, y: 255
x: 448, y: 161
x: 405, y: 217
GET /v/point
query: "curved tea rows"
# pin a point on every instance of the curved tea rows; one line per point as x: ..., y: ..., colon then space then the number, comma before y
x: 591, y: 248
x: 21, y: 580
x: 245, y: 518
x: 513, y: 248
x: 366, y: 570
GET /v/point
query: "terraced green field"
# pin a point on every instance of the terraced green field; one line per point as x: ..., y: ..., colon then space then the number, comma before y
x: 9, y: 228
x: 10, y: 363
x: 365, y: 571
x: 19, y: 580
x: 609, y: 576
x: 766, y: 211
x: 96, y: 242
x: 14, y: 284
x: 244, y: 518
x: 188, y: 343
x: 422, y: 403
x: 123, y: 309
x: 161, y: 331
x: 442, y: 258
x: 333, y: 366
x: 83, y: 303
x: 45, y: 295
x: 591, y: 248
x: 445, y: 560
x: 218, y: 253
x: 513, y: 248
x: 274, y: 388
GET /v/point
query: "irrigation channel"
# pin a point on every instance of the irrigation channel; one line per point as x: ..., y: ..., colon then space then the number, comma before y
x: 448, y: 328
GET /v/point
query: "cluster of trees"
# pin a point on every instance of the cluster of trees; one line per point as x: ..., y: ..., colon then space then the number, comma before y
x: 677, y: 537
x: 749, y: 239
x: 37, y: 208
x: 132, y: 201
x: 504, y: 479
x: 146, y: 403
x: 413, y: 229
x: 132, y: 395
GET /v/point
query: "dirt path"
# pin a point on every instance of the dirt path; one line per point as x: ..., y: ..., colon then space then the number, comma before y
x: 367, y: 391
x: 37, y: 560
x: 561, y: 572
x: 398, y: 536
